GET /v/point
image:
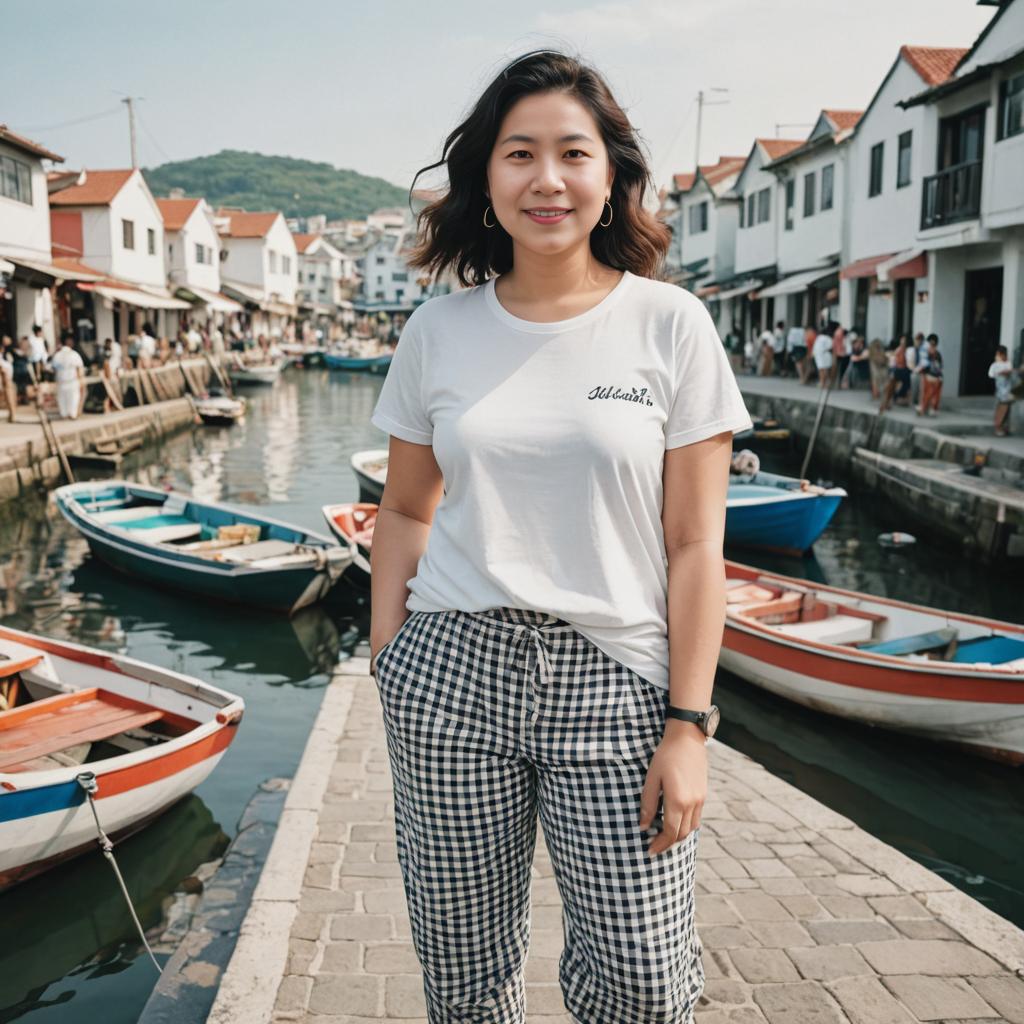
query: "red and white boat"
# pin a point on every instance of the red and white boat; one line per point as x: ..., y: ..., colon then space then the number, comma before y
x: 149, y: 735
x: 937, y: 674
x: 352, y: 523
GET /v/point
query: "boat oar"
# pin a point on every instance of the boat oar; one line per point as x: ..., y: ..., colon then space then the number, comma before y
x: 52, y: 440
x: 817, y: 423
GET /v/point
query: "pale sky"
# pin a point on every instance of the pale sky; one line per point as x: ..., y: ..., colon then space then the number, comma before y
x: 376, y: 86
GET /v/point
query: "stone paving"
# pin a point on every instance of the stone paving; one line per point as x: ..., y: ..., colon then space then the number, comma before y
x: 804, y: 917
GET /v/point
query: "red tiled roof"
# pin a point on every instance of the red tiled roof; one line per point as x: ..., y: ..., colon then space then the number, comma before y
x: 98, y: 189
x: 726, y: 166
x: 933, y: 64
x: 778, y: 147
x: 683, y: 182
x: 68, y: 263
x: 843, y: 119
x: 27, y: 145
x: 242, y: 224
x: 303, y: 242
x: 176, y: 211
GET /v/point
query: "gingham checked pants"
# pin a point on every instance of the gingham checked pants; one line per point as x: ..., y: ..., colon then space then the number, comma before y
x: 490, y: 718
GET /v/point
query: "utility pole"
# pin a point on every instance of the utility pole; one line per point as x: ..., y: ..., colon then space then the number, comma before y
x: 701, y: 102
x: 130, y: 101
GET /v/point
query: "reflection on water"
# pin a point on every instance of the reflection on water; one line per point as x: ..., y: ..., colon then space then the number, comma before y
x: 69, y: 954
x: 958, y: 815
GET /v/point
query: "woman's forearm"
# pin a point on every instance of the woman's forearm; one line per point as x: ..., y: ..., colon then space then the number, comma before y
x: 398, y: 542
x: 696, y: 618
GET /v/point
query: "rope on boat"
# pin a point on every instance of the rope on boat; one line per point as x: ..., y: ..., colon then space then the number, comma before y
x: 87, y: 780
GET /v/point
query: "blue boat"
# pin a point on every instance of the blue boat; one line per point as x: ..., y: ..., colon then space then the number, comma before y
x: 778, y: 513
x: 374, y: 364
x: 219, y: 552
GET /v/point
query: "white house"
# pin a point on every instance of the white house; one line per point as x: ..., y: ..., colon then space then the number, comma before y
x: 26, y: 272
x: 708, y: 215
x: 810, y: 228
x: 259, y: 266
x: 109, y: 221
x: 193, y: 258
x: 756, y: 257
x: 320, y: 274
x: 883, y: 202
x: 389, y: 284
x: 971, y: 227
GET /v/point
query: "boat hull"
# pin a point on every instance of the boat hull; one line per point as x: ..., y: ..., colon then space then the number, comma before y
x: 789, y: 524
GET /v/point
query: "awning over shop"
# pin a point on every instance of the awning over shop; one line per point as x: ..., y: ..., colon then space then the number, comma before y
x: 748, y: 286
x: 6, y: 267
x: 911, y: 263
x: 280, y: 308
x: 707, y: 291
x: 212, y: 300
x: 795, y: 283
x: 866, y: 267
x: 137, y: 298
x: 246, y: 293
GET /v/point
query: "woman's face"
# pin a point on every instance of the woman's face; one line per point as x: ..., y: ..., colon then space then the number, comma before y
x: 549, y: 153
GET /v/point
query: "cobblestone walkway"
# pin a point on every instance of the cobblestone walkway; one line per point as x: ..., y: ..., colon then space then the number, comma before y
x: 804, y: 917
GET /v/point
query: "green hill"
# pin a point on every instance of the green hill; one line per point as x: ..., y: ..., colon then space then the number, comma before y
x: 298, y: 188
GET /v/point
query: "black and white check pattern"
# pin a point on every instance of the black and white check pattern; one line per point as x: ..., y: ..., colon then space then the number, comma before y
x: 491, y: 718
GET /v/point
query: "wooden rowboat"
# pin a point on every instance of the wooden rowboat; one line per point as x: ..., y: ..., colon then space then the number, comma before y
x: 371, y: 469
x: 218, y: 551
x: 352, y: 523
x: 220, y: 410
x: 256, y: 373
x: 941, y: 675
x: 149, y: 735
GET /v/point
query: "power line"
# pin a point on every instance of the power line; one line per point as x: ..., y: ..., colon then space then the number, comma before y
x: 152, y: 138
x: 69, y: 124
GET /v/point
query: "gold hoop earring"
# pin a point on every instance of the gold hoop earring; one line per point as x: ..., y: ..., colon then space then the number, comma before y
x: 611, y: 214
x: 486, y: 225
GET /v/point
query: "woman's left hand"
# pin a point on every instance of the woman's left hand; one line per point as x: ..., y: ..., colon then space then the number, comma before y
x: 679, y: 773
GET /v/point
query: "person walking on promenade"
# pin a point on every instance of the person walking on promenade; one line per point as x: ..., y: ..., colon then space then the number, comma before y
x: 878, y: 361
x: 897, y: 387
x: 779, y: 349
x: 824, y: 360
x: 68, y: 371
x: 858, y: 372
x: 929, y: 368
x: 915, y: 355
x: 840, y: 354
x: 766, y: 352
x: 796, y: 351
x: 1002, y: 372
x: 549, y: 640
x: 810, y: 363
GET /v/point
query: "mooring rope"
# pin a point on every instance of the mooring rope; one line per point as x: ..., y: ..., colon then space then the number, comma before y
x: 87, y: 780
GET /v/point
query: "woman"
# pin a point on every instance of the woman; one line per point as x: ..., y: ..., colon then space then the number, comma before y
x: 898, y: 385
x: 879, y: 361
x: 823, y: 358
x: 930, y: 368
x: 553, y: 519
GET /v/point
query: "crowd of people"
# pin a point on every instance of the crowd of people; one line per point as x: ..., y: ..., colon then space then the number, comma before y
x: 905, y: 372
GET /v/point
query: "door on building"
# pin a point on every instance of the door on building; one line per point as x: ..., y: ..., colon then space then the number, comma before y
x: 904, y: 294
x: 983, y: 304
x: 860, y: 305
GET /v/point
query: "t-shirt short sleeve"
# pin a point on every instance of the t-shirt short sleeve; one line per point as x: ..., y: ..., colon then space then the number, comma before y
x: 400, y: 409
x: 707, y: 400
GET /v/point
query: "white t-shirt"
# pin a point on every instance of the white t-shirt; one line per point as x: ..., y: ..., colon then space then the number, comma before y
x: 779, y: 340
x: 37, y: 349
x: 147, y: 345
x: 66, y: 364
x: 795, y: 338
x: 823, y: 352
x: 551, y: 439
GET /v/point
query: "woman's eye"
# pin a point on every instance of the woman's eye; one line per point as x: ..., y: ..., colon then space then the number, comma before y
x: 526, y: 152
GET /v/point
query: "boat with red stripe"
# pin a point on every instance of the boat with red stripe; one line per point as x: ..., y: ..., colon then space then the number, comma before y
x: 149, y: 735
x: 942, y: 675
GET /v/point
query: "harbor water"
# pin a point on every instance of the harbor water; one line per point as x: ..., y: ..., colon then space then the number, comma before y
x: 69, y: 953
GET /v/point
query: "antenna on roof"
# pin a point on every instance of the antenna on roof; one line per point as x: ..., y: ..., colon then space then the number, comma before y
x: 701, y: 103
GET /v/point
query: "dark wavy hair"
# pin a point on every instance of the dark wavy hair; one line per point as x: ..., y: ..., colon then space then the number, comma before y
x: 451, y: 231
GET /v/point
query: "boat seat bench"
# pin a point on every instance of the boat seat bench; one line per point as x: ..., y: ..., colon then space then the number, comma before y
x: 52, y: 724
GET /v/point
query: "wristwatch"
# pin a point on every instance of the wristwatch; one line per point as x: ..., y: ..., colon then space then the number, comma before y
x: 707, y: 720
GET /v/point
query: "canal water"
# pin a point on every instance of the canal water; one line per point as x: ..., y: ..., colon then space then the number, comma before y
x: 68, y: 953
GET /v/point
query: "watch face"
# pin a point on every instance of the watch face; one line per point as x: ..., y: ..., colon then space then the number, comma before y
x: 711, y: 722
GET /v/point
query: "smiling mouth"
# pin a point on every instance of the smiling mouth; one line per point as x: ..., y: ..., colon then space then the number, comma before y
x: 547, y: 213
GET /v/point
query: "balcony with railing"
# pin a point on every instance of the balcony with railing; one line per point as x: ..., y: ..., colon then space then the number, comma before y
x: 951, y: 195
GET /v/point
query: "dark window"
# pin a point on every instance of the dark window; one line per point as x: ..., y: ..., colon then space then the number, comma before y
x: 960, y: 138
x: 904, y: 307
x: 875, y: 183
x: 743, y: 207
x: 200, y: 254
x: 128, y: 234
x: 790, y: 200
x: 15, y: 180
x: 751, y: 218
x: 1011, y: 107
x: 903, y: 152
x: 809, y: 194
x: 151, y: 241
x: 828, y: 174
x: 699, y: 218
x: 763, y: 205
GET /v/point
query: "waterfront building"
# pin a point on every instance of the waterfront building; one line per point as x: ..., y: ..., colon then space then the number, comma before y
x: 259, y: 267
x: 193, y: 260
x: 321, y: 270
x: 26, y: 272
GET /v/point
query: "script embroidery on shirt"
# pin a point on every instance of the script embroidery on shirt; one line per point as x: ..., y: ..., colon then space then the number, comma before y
x: 633, y: 395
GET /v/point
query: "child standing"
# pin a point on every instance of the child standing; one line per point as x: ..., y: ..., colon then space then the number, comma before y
x: 1002, y: 373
